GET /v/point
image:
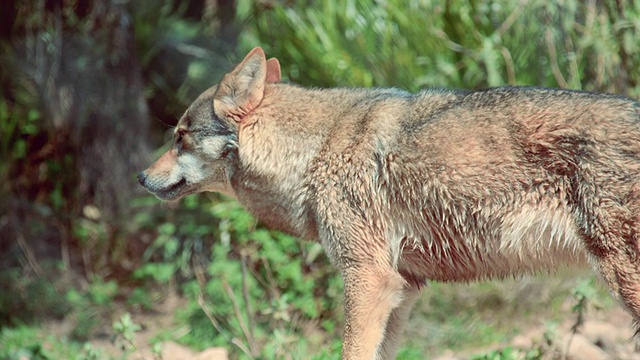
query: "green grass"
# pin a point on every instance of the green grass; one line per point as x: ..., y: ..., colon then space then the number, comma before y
x: 35, y: 343
x: 465, y: 317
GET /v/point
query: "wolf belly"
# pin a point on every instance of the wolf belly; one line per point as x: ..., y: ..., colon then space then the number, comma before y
x: 528, y: 240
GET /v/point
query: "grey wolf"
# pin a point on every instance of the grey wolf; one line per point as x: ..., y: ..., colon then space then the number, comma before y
x: 401, y: 188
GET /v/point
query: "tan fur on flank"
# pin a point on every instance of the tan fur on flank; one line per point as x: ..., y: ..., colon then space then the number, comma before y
x: 402, y: 188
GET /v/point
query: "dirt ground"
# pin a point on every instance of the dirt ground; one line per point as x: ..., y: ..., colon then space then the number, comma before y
x: 605, y: 334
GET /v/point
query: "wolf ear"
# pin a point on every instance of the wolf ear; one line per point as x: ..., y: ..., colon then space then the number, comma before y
x: 273, y: 71
x: 241, y: 90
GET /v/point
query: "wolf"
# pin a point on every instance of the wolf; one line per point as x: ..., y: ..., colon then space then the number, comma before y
x: 401, y: 188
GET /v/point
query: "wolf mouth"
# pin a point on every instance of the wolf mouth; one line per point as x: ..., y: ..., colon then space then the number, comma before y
x: 173, y: 190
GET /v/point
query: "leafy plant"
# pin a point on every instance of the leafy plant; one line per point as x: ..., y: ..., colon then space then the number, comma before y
x: 91, y: 306
x: 124, y: 333
x: 509, y: 353
x: 244, y: 283
x: 33, y: 343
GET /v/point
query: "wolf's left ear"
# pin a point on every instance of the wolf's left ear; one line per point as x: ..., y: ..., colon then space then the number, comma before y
x: 273, y: 71
x: 241, y: 90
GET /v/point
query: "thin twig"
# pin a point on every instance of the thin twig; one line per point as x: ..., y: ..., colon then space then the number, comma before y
x: 273, y: 285
x: 28, y: 254
x: 508, y: 60
x: 216, y: 324
x: 452, y: 45
x: 245, y: 295
x: 207, y: 312
x: 203, y: 305
x: 86, y: 256
x: 574, y: 72
x: 197, y: 271
x: 238, y: 313
x: 553, y: 57
x: 582, y: 303
x: 511, y: 19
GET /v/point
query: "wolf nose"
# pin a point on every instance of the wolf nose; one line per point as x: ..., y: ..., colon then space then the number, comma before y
x: 142, y: 176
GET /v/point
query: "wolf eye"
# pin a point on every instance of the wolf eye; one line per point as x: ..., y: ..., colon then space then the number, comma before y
x: 180, y: 136
x: 180, y: 139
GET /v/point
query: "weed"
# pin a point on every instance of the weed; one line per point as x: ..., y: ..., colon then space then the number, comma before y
x: 124, y: 332
x: 33, y: 343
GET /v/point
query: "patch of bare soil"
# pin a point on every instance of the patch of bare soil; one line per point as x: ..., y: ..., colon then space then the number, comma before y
x: 152, y: 323
x: 605, y: 335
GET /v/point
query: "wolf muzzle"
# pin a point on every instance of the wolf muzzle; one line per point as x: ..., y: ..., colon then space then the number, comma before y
x: 142, y: 177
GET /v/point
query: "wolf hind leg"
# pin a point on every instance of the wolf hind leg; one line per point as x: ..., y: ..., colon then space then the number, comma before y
x: 614, y: 243
x: 622, y: 273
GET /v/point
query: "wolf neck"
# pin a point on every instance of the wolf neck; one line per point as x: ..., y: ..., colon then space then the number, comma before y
x: 283, y: 135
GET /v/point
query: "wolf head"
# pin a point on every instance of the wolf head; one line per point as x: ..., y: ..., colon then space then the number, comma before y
x: 204, y: 154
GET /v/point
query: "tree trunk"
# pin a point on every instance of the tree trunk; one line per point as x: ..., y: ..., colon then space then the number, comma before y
x: 94, y: 133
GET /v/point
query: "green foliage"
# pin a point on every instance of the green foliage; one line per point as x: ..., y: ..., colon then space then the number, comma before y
x: 18, y: 291
x: 167, y: 244
x: 32, y: 343
x: 124, y: 333
x: 19, y: 122
x: 468, y: 44
x: 100, y: 293
x: 509, y: 353
x: 35, y: 164
x: 140, y: 297
x: 175, y: 52
x: 91, y: 305
x: 449, y: 315
x: 258, y: 289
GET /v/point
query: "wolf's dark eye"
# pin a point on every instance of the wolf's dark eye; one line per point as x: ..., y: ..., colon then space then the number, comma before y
x: 180, y: 135
x: 180, y: 138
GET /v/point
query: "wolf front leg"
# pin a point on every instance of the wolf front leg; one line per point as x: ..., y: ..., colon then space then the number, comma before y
x: 371, y: 292
x: 397, y: 323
